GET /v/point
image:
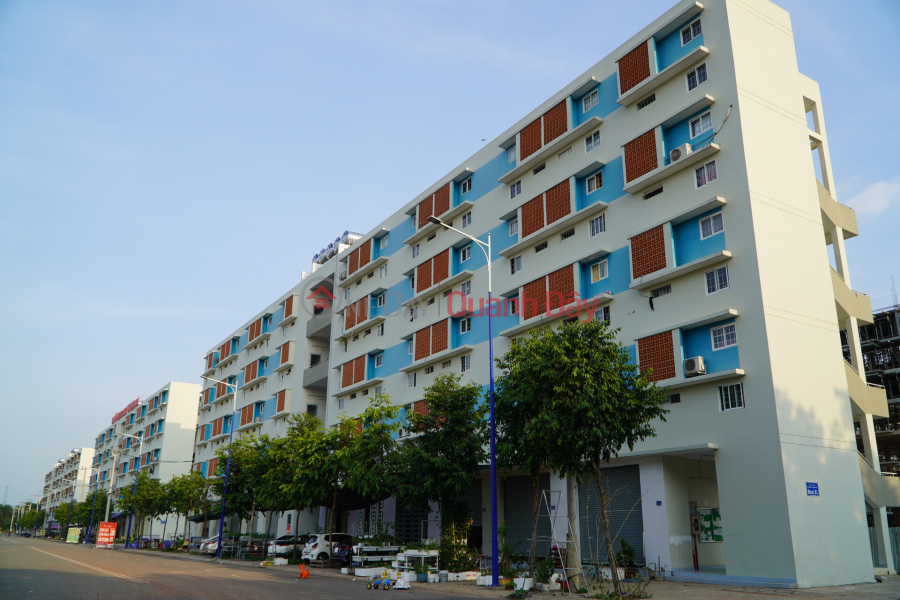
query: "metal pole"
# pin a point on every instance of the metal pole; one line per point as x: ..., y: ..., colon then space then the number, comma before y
x: 87, y: 540
x: 71, y: 504
x: 109, y: 493
x: 134, y: 493
x: 495, y: 559
x: 227, y: 469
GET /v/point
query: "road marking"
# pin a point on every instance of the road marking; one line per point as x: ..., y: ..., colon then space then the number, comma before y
x: 10, y: 541
x: 91, y: 567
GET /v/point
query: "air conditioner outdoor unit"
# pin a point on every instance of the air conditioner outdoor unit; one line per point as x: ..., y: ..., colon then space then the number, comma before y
x: 257, y: 420
x: 694, y: 366
x: 676, y: 154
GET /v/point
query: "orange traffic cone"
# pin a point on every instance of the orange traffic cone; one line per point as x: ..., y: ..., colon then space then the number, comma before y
x: 304, y: 572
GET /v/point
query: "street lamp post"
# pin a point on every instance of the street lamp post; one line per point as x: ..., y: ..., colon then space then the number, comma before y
x: 134, y: 493
x: 228, y: 462
x: 486, y: 248
x: 87, y: 540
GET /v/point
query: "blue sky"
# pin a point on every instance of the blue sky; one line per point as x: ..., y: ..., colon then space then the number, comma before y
x: 168, y: 168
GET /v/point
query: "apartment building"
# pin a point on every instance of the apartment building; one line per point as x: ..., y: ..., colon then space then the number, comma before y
x: 274, y: 365
x: 681, y: 189
x: 155, y: 435
x: 65, y: 483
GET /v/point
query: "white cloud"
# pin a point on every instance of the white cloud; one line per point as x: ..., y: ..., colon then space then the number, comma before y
x: 876, y: 198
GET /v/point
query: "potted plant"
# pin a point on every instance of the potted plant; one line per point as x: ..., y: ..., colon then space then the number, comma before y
x: 626, y: 557
x: 506, y: 577
x: 543, y: 570
x: 421, y: 573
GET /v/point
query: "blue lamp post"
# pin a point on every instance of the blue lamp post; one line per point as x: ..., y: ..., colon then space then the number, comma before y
x: 495, y: 549
x: 87, y: 540
x: 233, y: 387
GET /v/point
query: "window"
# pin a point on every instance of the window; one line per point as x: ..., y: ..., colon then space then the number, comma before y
x: 602, y: 314
x: 672, y: 399
x: 467, y: 219
x: 513, y: 227
x: 379, y: 331
x: 541, y: 246
x: 701, y: 124
x: 594, y: 182
x: 446, y: 364
x: 410, y: 347
x: 384, y: 242
x: 511, y: 154
x: 646, y: 101
x: 538, y: 168
x: 566, y: 234
x: 599, y: 271
x: 653, y: 192
x: 690, y: 32
x: 590, y: 101
x: 515, y: 265
x: 429, y: 370
x: 314, y: 359
x: 347, y: 293
x: 466, y: 288
x: 515, y: 189
x: 411, y: 380
x: 723, y: 337
x: 716, y: 280
x: 598, y: 225
x: 353, y: 396
x: 731, y: 396
x: 383, y: 271
x: 466, y: 253
x: 465, y: 325
x: 377, y: 390
x: 381, y: 299
x: 465, y: 187
x: 564, y: 153
x: 379, y: 360
x: 711, y: 226
x: 356, y: 337
x: 413, y: 313
x: 513, y: 304
x: 662, y: 291
x: 696, y: 76
x: 592, y: 141
x: 705, y: 174
x: 412, y: 282
x: 466, y: 362
x: 415, y: 250
x: 431, y: 237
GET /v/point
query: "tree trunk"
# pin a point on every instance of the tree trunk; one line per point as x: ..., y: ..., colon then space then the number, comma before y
x: 268, y: 525
x: 607, y: 538
x: 165, y: 524
x: 186, y: 522
x: 296, y: 533
x: 532, y: 554
x: 573, y: 560
x: 330, y: 522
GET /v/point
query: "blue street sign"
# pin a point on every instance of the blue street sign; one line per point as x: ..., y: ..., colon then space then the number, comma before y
x: 812, y: 489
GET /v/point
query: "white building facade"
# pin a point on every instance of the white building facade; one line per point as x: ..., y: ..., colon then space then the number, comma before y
x: 65, y: 483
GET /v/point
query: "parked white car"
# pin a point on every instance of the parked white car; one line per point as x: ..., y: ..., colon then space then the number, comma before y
x: 318, y: 547
x: 205, y: 543
x: 285, y: 544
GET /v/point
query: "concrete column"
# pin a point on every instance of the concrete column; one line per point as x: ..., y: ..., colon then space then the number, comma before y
x: 840, y: 254
x: 853, y: 344
x: 883, y: 539
x: 870, y: 445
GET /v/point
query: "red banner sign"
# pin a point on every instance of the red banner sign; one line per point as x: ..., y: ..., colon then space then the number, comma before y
x: 106, y: 535
x: 122, y: 412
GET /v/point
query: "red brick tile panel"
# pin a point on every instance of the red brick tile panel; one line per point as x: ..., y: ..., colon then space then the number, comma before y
x: 285, y: 353
x: 419, y: 407
x: 440, y: 269
x: 362, y: 310
x: 561, y: 287
x: 532, y: 216
x: 640, y: 155
x: 281, y: 397
x: 359, y: 369
x: 556, y: 122
x: 634, y: 67
x: 223, y: 351
x: 534, y: 298
x: 558, y: 202
x: 439, y: 337
x: 365, y: 254
x: 347, y: 374
x: 350, y: 317
x: 353, y: 262
x: 423, y: 276
x: 426, y: 209
x: 648, y: 252
x: 289, y: 306
x: 442, y: 200
x: 530, y: 139
x: 221, y: 390
x: 656, y: 352
x: 423, y: 343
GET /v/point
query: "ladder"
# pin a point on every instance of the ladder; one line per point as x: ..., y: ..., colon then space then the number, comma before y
x: 560, y: 532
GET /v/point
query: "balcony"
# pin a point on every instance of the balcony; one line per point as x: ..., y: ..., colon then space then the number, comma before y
x: 255, y: 422
x: 319, y: 326
x: 359, y: 386
x: 436, y: 358
x: 867, y: 398
x: 655, y: 176
x: 880, y: 490
x: 662, y: 276
x: 260, y: 338
x: 836, y: 215
x: 316, y: 377
x: 576, y: 308
x: 252, y: 382
x: 646, y: 87
x: 362, y: 271
x: 554, y: 228
x: 850, y: 303
x: 429, y: 228
x: 226, y: 396
x: 439, y: 287
x: 227, y: 360
x: 550, y: 150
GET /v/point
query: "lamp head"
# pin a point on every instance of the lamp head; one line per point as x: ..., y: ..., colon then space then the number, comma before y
x: 435, y: 220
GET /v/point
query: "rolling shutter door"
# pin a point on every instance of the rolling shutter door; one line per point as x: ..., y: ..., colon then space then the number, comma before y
x: 623, y: 489
x: 518, y: 505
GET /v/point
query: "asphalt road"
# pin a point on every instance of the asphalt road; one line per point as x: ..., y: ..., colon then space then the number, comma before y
x: 40, y: 569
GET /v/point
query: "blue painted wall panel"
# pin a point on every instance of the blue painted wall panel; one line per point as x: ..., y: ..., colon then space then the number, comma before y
x: 669, y: 48
x: 607, y: 95
x: 680, y: 133
x: 687, y: 243
x: 698, y: 342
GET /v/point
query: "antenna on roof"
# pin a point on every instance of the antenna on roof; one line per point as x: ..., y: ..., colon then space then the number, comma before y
x: 894, y: 291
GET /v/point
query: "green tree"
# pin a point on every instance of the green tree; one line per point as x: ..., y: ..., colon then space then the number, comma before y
x: 244, y: 474
x: 440, y: 463
x: 144, y: 499
x: 82, y: 511
x: 188, y: 493
x: 596, y: 401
